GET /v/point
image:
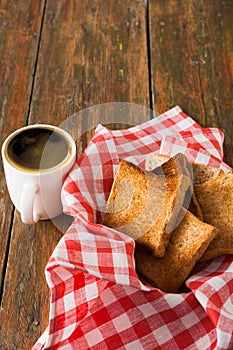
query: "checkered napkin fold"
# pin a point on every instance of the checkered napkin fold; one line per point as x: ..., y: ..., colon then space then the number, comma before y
x: 97, y: 299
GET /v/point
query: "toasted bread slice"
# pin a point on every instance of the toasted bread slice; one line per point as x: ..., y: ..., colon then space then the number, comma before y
x: 155, y: 161
x: 201, y: 173
x: 178, y: 166
x: 174, y: 165
x: 194, y: 206
x: 216, y: 199
x: 187, y: 244
x: 142, y: 204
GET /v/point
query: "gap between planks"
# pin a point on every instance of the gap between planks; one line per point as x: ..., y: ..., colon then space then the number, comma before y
x: 8, y: 243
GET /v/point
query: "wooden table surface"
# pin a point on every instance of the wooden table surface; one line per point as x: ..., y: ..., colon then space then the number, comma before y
x: 59, y: 57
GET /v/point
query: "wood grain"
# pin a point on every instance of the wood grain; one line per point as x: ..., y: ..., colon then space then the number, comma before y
x: 89, y: 54
x: 19, y: 36
x: 57, y: 59
x: 191, y: 45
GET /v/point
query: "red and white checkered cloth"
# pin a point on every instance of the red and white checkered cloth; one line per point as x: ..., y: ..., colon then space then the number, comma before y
x: 97, y: 299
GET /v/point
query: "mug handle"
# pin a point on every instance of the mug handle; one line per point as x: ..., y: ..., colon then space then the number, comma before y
x: 27, y: 204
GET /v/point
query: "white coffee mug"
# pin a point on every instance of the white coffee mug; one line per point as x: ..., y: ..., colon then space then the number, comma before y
x: 36, y: 190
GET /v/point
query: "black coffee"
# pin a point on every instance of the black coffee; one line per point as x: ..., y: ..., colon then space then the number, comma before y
x: 38, y: 148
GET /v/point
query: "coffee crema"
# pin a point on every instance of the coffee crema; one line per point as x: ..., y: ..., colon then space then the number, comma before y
x: 38, y: 149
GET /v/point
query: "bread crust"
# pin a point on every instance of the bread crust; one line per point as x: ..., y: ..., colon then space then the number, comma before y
x: 216, y: 199
x: 144, y: 205
x: 188, y: 243
x: 155, y: 160
x: 148, y: 206
x: 201, y: 172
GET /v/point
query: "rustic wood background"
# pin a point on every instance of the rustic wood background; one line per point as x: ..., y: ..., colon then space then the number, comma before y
x: 60, y: 57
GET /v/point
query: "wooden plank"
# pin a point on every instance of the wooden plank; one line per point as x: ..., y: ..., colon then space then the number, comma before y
x: 89, y: 54
x: 192, y: 59
x: 93, y: 54
x: 19, y: 35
